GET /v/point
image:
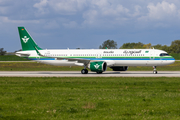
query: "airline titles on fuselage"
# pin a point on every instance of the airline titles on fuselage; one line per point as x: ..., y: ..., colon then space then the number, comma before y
x: 131, y: 52
x: 108, y: 51
x: 125, y: 52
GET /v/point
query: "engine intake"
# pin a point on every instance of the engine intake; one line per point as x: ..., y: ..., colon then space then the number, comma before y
x: 99, y: 66
x: 119, y: 68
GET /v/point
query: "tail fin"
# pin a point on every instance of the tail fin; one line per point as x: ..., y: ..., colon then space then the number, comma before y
x: 26, y: 40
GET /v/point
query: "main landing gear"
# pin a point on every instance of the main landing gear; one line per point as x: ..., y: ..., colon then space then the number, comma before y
x: 154, y: 71
x: 84, y: 71
x: 99, y: 72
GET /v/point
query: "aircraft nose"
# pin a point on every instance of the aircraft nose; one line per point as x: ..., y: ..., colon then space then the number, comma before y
x: 173, y: 60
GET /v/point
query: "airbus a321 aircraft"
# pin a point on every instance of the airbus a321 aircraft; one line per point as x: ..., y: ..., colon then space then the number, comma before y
x: 97, y: 60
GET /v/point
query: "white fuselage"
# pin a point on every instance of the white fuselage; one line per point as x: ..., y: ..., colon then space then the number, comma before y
x: 113, y: 57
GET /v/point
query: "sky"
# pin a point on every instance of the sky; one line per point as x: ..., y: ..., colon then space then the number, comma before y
x: 86, y: 24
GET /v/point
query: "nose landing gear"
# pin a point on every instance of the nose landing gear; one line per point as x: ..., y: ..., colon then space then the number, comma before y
x: 154, y: 71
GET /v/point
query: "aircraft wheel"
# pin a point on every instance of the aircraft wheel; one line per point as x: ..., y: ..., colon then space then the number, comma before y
x: 84, y: 71
x: 99, y: 72
x: 155, y: 72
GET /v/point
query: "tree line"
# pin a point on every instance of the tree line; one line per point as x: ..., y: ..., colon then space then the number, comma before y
x: 2, y: 51
x: 173, y: 48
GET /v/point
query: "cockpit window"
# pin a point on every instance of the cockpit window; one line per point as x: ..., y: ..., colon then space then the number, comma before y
x: 164, y: 54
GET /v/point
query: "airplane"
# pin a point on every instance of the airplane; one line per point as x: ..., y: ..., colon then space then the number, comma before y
x: 96, y: 60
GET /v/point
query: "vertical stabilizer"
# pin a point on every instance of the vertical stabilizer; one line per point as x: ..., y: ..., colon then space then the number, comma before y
x: 26, y: 40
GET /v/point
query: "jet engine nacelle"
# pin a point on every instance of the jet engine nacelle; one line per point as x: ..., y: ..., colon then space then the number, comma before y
x: 119, y: 68
x: 99, y: 66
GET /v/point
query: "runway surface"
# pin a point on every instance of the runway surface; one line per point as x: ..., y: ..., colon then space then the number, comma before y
x: 90, y: 74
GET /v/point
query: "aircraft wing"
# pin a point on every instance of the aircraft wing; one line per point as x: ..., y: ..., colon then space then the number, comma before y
x: 72, y: 59
x: 79, y: 60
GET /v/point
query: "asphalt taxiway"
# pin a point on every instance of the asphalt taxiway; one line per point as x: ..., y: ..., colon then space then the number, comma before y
x: 90, y: 74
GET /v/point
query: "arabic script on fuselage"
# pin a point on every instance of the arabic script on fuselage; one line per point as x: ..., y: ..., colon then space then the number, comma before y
x: 131, y: 52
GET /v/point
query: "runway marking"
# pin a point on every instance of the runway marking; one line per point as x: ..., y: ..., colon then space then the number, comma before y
x: 90, y: 74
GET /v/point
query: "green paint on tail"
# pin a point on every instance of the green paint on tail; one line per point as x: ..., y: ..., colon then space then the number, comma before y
x: 37, y: 51
x: 26, y: 40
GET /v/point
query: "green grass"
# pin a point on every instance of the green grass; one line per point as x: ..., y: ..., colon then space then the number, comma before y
x: 33, y: 66
x: 11, y: 58
x: 89, y: 98
x: 176, y: 55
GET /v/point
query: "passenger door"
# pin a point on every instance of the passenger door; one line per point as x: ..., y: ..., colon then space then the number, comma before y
x: 152, y: 55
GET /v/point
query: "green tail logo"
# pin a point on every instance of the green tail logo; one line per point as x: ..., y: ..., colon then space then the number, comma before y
x: 26, y: 40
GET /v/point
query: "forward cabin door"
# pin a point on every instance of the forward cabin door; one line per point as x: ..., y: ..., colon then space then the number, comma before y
x: 152, y: 54
x: 151, y: 57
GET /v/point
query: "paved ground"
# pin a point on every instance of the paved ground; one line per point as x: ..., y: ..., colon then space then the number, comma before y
x: 91, y: 74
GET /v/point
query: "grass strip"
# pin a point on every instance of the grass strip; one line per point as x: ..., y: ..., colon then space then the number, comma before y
x: 12, y: 58
x: 89, y: 98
